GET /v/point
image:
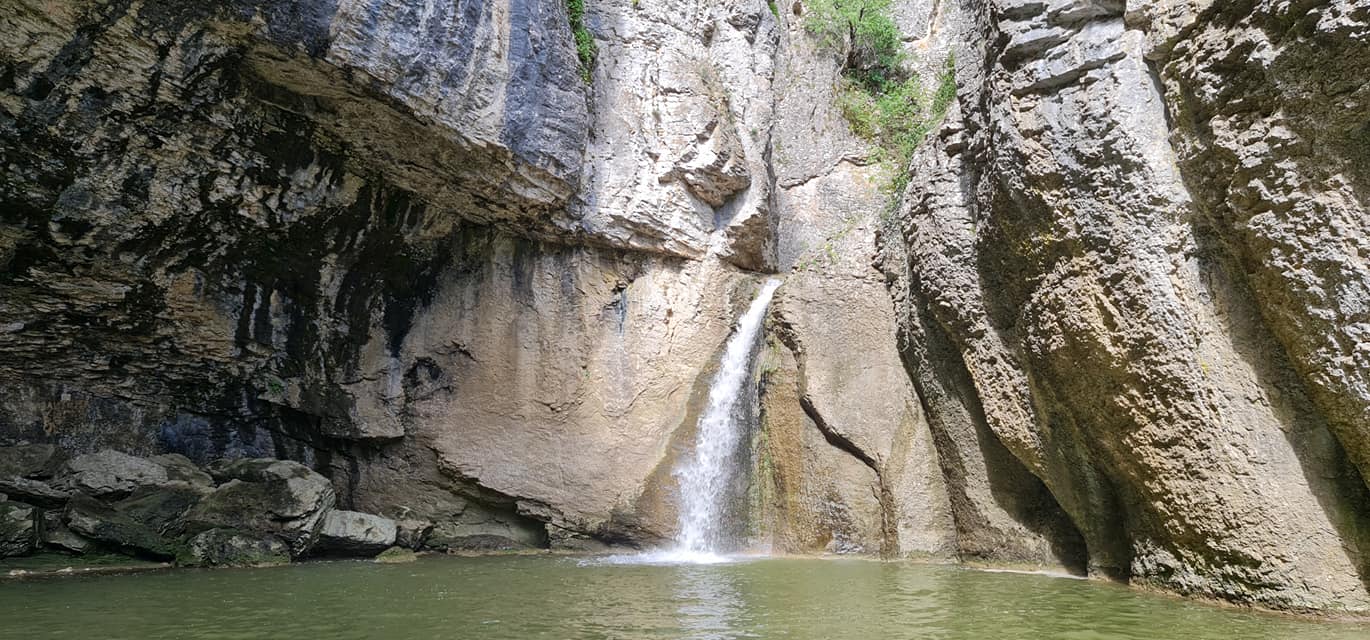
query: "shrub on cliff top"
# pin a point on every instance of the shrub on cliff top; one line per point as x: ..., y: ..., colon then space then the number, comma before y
x: 882, y: 102
x: 870, y: 37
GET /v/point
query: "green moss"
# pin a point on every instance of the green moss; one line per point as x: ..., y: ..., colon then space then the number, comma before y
x: 775, y: 11
x: 586, y: 49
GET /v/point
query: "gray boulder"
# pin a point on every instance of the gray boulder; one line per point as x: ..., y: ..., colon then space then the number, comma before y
x: 34, y: 492
x: 30, y: 461
x: 54, y: 534
x: 18, y: 529
x: 277, y: 497
x: 99, y: 522
x: 180, y: 469
x: 159, y: 508
x: 352, y: 533
x: 230, y: 548
x: 110, y: 474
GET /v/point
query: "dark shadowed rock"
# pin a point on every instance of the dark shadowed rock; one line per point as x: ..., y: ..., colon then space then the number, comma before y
x: 56, y: 535
x: 411, y: 533
x: 18, y: 530
x: 30, y: 461
x: 350, y: 533
x: 455, y: 536
x: 230, y: 548
x: 110, y: 474
x: 277, y: 497
x: 100, y: 522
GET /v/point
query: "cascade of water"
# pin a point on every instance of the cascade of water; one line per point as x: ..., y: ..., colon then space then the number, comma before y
x: 704, y: 478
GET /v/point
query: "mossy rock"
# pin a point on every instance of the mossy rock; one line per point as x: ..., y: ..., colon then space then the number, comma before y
x: 396, y: 555
x: 231, y: 548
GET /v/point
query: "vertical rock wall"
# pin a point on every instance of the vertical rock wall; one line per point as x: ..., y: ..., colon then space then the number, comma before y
x: 1076, y: 250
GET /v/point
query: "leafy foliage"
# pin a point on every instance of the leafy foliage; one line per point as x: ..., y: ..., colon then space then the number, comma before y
x: 870, y: 38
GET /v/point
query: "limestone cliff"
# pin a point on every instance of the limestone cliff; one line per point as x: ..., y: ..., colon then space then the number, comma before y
x: 1134, y: 257
x: 1118, y: 321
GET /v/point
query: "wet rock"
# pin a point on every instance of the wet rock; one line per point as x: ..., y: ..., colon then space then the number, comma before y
x: 231, y: 548
x: 456, y: 536
x: 30, y: 461
x: 18, y: 529
x: 277, y: 497
x: 411, y: 533
x: 102, y: 523
x: 351, y: 533
x: 34, y: 492
x: 110, y: 474
x: 56, y: 535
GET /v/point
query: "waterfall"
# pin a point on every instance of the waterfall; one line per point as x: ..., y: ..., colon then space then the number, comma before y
x: 705, y: 477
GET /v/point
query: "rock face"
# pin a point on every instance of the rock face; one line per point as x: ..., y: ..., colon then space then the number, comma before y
x: 1134, y: 261
x: 1117, y: 322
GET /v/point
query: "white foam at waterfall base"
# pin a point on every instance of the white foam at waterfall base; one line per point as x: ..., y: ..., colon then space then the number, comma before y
x: 705, y: 476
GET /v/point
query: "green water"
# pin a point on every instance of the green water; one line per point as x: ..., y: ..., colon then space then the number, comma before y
x: 558, y: 597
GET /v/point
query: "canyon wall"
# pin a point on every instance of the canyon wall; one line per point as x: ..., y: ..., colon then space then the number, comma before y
x: 1134, y: 256
x: 1118, y: 322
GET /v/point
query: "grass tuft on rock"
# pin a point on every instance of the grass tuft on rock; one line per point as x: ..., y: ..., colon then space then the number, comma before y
x: 586, y: 49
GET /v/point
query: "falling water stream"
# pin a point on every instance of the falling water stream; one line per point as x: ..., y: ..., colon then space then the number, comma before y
x: 704, y: 477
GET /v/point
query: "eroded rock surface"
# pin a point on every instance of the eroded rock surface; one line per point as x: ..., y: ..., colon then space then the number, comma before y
x: 1120, y: 246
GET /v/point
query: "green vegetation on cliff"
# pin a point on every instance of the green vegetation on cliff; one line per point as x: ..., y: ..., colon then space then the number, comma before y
x: 883, y: 103
x: 585, y: 42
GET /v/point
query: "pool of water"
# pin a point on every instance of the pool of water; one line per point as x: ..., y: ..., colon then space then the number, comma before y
x: 561, y: 597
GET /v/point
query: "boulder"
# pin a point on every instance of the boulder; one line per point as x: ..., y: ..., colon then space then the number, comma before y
x: 231, y: 548
x: 18, y: 530
x: 180, y: 469
x: 34, y: 492
x: 160, y: 507
x: 54, y: 534
x: 102, y: 523
x: 277, y: 497
x: 30, y: 461
x: 411, y: 533
x: 353, y: 533
x: 110, y: 474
